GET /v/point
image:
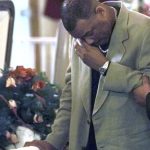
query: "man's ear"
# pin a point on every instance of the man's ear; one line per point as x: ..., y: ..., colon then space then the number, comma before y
x: 100, y: 10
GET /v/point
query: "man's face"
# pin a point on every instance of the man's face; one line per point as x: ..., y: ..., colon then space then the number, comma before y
x: 96, y: 30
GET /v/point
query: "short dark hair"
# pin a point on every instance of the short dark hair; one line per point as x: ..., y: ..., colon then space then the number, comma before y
x: 72, y: 10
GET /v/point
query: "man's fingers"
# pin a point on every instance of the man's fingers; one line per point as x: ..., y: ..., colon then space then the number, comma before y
x: 87, y: 46
x: 80, y: 51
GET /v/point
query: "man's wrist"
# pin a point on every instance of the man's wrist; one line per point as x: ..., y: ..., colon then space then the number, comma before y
x: 103, y: 69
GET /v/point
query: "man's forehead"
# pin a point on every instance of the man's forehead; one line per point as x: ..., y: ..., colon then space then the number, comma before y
x: 80, y: 28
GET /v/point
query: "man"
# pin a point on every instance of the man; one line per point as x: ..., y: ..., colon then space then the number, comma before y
x: 107, y: 80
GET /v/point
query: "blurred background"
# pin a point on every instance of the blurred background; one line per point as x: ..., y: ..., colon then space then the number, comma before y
x: 39, y: 39
x: 41, y: 42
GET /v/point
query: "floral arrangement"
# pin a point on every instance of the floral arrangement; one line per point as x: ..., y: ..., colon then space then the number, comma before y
x: 145, y: 8
x: 26, y: 99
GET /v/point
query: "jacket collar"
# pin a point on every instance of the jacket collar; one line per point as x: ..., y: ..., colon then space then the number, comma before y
x: 115, y: 52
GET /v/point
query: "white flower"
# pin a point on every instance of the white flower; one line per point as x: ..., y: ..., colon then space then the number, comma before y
x: 10, y: 82
x: 38, y: 118
x: 12, y: 104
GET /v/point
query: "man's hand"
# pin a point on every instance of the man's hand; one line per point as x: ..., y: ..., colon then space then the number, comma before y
x: 141, y: 92
x: 90, y: 55
x: 42, y: 145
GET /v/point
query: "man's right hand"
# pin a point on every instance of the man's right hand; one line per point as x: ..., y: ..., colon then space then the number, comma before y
x: 42, y: 145
x: 141, y: 92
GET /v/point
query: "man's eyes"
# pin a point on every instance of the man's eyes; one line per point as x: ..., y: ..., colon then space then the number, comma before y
x: 89, y: 34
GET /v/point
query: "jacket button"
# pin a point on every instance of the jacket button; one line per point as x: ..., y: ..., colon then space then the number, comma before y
x: 88, y: 121
x: 101, y: 146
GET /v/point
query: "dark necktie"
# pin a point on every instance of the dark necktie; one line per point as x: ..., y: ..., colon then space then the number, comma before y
x: 91, y: 145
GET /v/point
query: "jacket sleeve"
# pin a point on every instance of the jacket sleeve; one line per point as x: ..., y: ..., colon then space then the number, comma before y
x: 122, y: 78
x: 60, y: 129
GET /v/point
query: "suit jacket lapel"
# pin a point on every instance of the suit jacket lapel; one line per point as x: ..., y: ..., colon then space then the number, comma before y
x: 85, y: 76
x: 115, y: 53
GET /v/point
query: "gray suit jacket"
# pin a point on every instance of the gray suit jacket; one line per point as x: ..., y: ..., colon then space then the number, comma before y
x: 119, y: 122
